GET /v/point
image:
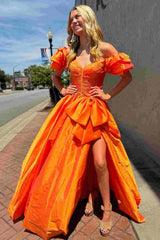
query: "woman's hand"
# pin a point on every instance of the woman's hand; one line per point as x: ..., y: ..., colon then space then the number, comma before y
x: 97, y: 92
x: 71, y: 89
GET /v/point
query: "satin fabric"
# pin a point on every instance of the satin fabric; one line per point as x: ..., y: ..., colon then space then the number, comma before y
x: 54, y: 174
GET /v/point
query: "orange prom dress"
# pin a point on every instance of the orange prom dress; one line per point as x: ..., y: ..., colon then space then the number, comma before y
x: 54, y: 173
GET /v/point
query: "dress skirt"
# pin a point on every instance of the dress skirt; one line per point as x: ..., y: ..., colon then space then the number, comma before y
x: 54, y: 173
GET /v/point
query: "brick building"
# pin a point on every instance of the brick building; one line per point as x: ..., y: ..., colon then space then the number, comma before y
x: 20, y: 81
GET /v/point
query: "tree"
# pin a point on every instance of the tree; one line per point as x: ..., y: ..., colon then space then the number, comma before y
x: 4, y: 78
x: 2, y: 75
x: 65, y: 77
x: 9, y: 78
x: 17, y: 74
x: 40, y: 75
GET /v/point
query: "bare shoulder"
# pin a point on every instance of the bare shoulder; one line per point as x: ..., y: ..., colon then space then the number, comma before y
x: 68, y: 50
x: 107, y: 49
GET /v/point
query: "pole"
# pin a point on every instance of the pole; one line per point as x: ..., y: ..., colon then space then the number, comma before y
x: 50, y: 42
x: 14, y: 80
x: 54, y: 93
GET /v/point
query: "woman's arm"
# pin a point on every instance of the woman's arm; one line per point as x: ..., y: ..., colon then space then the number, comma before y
x: 126, y: 78
x: 56, y: 79
x: 108, y: 50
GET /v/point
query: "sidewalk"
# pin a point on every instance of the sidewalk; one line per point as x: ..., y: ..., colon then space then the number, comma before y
x: 8, y: 91
x: 81, y: 228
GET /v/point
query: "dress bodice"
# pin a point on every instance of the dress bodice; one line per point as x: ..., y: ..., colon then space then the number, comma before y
x: 86, y: 77
x: 93, y: 74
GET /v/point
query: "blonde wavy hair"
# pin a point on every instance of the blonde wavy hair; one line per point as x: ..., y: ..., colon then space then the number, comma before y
x: 94, y: 33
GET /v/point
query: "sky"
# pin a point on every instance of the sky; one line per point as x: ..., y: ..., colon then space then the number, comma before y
x: 23, y: 30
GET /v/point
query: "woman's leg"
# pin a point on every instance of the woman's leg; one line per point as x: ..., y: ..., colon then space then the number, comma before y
x: 90, y: 180
x: 100, y: 163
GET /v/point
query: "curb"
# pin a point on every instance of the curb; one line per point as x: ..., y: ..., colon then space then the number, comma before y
x: 10, y: 129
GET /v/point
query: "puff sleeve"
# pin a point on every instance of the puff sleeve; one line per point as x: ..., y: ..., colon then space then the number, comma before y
x: 59, y: 59
x: 118, y: 64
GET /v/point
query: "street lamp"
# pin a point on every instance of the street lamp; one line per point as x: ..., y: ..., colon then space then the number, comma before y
x: 14, y: 75
x: 50, y: 36
x: 54, y: 93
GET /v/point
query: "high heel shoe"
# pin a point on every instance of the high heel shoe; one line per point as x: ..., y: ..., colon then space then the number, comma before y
x: 88, y: 210
x: 89, y: 206
x: 105, y: 227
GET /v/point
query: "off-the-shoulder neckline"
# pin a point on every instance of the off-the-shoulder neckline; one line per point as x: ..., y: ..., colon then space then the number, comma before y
x: 100, y: 60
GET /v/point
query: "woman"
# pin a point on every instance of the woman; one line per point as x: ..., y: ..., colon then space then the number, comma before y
x: 78, y: 149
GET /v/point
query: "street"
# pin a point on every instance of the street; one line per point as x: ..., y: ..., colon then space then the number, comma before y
x: 13, y: 105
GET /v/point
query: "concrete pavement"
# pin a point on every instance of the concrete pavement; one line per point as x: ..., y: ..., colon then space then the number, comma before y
x: 9, y: 91
x: 10, y: 129
x: 16, y: 138
x: 146, y: 168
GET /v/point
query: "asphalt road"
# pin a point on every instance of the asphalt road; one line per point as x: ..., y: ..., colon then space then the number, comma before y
x: 13, y: 105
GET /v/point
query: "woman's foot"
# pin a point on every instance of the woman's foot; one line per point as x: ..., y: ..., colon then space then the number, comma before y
x: 106, y: 222
x: 89, y: 207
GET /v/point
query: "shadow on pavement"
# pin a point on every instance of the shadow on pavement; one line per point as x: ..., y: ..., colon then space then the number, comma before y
x: 142, y: 157
x: 79, y: 212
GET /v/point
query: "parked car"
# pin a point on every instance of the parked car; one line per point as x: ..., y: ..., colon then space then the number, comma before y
x: 30, y: 87
x: 40, y: 87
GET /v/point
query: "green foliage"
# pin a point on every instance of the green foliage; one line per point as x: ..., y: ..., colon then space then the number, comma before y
x: 17, y: 74
x: 65, y: 77
x: 4, y: 78
x: 46, y: 65
x: 19, y: 88
x: 2, y: 75
x: 42, y: 75
x: 39, y: 75
x: 9, y: 78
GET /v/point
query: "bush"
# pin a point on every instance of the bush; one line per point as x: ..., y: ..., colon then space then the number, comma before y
x: 19, y: 88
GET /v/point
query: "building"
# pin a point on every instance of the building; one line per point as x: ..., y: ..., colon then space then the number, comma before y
x: 20, y: 81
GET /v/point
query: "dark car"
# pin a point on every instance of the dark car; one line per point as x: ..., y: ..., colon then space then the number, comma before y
x: 30, y: 87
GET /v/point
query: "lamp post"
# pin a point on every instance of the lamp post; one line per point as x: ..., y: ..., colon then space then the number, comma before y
x: 14, y: 75
x: 50, y: 36
x: 54, y: 93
